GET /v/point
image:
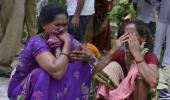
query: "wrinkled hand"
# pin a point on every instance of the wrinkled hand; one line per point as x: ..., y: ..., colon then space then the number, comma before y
x: 119, y: 42
x: 75, y: 21
x: 65, y: 38
x: 50, y: 28
x: 135, y: 47
x: 80, y: 55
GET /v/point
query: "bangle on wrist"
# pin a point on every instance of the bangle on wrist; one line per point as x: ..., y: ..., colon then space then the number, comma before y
x: 86, y: 56
x: 140, y: 61
x: 67, y: 55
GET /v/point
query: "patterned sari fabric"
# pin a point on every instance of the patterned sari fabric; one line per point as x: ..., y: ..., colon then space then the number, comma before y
x: 31, y: 82
x: 115, y: 72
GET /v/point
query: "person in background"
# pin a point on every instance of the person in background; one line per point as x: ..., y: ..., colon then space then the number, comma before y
x: 101, y: 37
x: 79, y: 11
x: 30, y: 17
x: 163, y: 34
x: 40, y: 5
x: 13, y: 14
x: 147, y: 13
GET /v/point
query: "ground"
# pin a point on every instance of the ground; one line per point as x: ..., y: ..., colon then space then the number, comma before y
x: 3, y: 88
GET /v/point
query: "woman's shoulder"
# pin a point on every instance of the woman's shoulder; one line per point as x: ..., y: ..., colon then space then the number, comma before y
x: 35, y: 38
x: 151, y: 58
x: 37, y: 44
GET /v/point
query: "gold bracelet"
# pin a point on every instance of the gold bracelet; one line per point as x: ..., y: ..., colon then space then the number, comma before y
x: 138, y: 62
x: 67, y: 55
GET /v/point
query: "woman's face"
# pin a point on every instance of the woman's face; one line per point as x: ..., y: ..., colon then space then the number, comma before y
x: 60, y: 21
x: 130, y: 28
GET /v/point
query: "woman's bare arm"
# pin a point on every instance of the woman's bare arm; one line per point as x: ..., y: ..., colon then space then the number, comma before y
x: 150, y: 73
x: 56, y: 67
x: 106, y: 60
x: 102, y: 64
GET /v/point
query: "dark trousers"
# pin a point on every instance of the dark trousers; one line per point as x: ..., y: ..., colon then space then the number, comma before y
x: 152, y: 27
x: 79, y: 32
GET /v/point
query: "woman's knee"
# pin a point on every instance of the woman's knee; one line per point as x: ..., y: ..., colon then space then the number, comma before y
x: 39, y: 73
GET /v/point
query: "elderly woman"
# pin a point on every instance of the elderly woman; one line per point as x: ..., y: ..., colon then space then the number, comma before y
x: 43, y: 76
x: 130, y: 61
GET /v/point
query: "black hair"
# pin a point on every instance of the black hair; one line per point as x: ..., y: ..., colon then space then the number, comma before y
x: 48, y: 14
x: 143, y: 31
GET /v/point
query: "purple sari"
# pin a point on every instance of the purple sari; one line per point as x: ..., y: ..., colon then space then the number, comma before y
x: 31, y: 82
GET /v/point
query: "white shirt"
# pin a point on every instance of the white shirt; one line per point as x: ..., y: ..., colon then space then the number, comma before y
x: 88, y: 8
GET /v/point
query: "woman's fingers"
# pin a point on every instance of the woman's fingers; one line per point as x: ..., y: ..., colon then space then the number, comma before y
x: 75, y: 55
x: 130, y: 38
x: 124, y: 36
x: 124, y: 41
x: 143, y: 45
x: 129, y: 43
x: 76, y: 58
x: 78, y: 52
x: 134, y: 37
x: 65, y: 37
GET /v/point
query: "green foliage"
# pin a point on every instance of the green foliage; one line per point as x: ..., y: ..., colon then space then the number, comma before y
x: 120, y: 10
x: 21, y: 97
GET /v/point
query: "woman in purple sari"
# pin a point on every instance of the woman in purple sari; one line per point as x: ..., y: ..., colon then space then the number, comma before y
x: 42, y: 76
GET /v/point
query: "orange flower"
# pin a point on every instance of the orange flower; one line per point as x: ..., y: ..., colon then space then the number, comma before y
x: 92, y: 49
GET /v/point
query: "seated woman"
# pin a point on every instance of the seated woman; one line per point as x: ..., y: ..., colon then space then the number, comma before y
x: 43, y: 76
x: 129, y: 58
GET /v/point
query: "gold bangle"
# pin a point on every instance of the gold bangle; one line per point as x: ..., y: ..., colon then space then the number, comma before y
x: 140, y: 61
x: 67, y: 55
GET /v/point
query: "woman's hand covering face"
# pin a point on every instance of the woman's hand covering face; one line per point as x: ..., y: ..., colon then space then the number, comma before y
x: 134, y: 46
